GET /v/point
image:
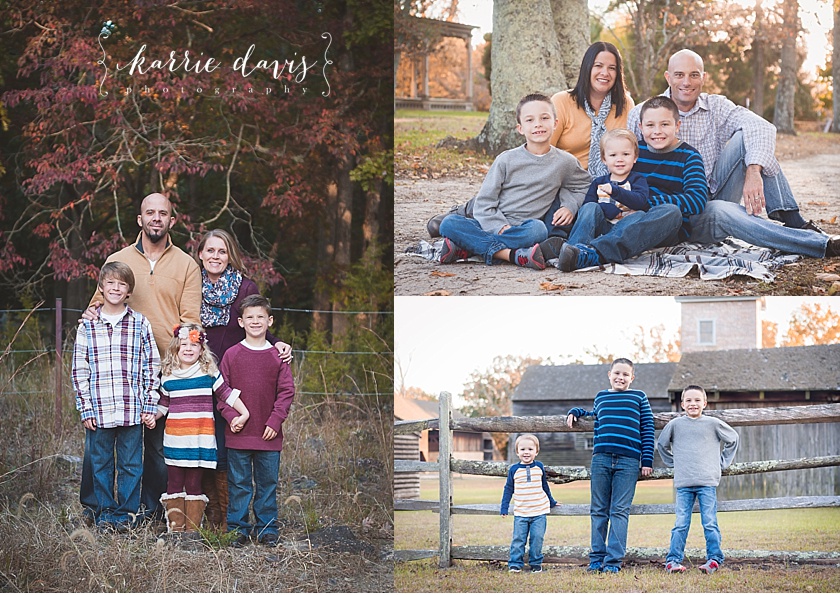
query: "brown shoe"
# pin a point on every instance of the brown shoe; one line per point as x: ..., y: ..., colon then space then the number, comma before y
x: 194, y: 506
x: 222, y: 490
x: 175, y: 517
x: 832, y: 248
x: 213, y: 513
x: 811, y: 225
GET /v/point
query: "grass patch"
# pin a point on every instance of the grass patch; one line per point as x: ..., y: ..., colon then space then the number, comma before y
x: 792, y: 530
x: 417, y: 132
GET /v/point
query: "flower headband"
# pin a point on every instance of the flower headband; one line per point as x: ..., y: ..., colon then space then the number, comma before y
x: 194, y: 335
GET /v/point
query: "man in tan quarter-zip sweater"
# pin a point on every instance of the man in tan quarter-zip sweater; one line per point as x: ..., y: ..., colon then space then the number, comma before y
x: 167, y: 292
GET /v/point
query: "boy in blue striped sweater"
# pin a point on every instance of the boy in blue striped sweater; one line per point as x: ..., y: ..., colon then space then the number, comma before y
x: 623, y: 439
x: 678, y: 190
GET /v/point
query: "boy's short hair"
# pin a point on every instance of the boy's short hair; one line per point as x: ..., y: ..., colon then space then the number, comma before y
x: 534, y: 97
x: 621, y: 360
x: 693, y: 387
x: 619, y: 133
x: 255, y: 300
x: 657, y: 102
x: 119, y: 271
x: 531, y: 437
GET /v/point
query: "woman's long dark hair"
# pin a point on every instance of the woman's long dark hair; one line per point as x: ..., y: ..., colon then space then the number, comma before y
x: 584, y: 83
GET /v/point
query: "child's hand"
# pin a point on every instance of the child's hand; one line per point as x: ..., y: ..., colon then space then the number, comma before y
x: 90, y: 313
x: 269, y: 434
x: 237, y: 424
x: 90, y: 424
x: 562, y: 216
x: 570, y: 419
x: 605, y: 189
x: 647, y: 471
x: 149, y: 420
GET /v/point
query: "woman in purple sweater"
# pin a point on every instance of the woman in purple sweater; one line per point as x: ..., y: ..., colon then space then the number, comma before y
x: 223, y: 287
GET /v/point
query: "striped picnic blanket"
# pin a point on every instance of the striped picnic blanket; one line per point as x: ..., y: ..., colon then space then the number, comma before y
x: 713, y: 261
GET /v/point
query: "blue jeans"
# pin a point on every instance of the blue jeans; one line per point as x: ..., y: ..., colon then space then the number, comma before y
x: 613, y: 485
x: 523, y: 526
x: 248, y: 469
x: 707, y: 499
x: 632, y: 235
x: 560, y: 231
x: 128, y: 465
x: 467, y: 233
x: 721, y: 219
x: 731, y: 170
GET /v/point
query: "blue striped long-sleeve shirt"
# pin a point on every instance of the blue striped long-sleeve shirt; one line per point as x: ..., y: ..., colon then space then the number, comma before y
x: 675, y: 177
x: 623, y: 424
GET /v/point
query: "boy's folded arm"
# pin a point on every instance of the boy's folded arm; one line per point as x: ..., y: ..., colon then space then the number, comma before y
x: 486, y: 203
x: 636, y: 198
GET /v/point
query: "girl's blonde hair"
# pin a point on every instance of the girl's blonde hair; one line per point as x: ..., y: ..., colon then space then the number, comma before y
x: 196, y: 334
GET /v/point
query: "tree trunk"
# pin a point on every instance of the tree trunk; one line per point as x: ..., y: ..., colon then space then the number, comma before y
x: 527, y: 58
x: 835, y: 67
x: 343, y: 222
x: 571, y: 23
x: 758, y: 61
x: 783, y: 118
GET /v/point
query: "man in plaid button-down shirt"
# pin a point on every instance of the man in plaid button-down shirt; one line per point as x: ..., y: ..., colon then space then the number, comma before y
x: 738, y: 150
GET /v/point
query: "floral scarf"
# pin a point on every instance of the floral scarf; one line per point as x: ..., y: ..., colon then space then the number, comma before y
x: 217, y: 297
x: 599, y: 127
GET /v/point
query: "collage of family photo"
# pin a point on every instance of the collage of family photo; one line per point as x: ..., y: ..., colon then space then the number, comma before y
x: 407, y: 296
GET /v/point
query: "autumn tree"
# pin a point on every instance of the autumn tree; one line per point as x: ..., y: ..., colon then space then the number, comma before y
x: 489, y: 392
x: 788, y: 67
x: 812, y: 324
x: 835, y: 67
x: 769, y: 334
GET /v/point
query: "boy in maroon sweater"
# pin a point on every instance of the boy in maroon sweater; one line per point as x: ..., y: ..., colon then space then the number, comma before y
x: 267, y: 389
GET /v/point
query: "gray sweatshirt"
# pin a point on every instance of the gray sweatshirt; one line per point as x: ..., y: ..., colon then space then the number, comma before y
x: 692, y: 448
x: 521, y: 186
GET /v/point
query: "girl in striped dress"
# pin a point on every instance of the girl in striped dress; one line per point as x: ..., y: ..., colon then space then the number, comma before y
x: 189, y: 377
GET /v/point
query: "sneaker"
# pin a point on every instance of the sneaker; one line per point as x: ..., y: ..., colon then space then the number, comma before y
x: 577, y: 256
x: 672, y: 567
x: 241, y: 541
x: 269, y: 539
x: 452, y: 252
x: 551, y: 247
x: 433, y: 225
x: 514, y: 569
x: 611, y: 569
x: 530, y: 257
x: 536, y: 568
x: 710, y: 567
x: 812, y: 226
x: 594, y: 567
x: 832, y: 248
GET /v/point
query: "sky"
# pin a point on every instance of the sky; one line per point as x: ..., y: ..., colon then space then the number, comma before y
x: 816, y: 17
x: 440, y: 341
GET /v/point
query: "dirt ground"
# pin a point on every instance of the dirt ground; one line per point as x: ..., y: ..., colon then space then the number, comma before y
x: 811, y: 164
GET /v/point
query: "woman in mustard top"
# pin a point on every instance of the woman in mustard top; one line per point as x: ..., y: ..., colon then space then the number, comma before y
x: 599, y: 102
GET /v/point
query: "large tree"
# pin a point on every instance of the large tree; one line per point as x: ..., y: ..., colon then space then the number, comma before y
x: 527, y: 58
x: 835, y: 67
x: 786, y: 89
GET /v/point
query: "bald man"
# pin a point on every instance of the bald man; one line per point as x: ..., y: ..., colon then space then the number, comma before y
x: 738, y: 150
x: 167, y: 292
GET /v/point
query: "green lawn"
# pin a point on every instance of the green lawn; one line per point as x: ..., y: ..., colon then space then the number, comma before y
x: 791, y: 530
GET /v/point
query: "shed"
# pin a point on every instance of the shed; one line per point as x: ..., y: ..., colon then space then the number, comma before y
x: 553, y: 390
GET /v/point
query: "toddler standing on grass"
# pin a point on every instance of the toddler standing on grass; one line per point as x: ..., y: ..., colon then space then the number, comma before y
x: 691, y: 444
x: 532, y: 501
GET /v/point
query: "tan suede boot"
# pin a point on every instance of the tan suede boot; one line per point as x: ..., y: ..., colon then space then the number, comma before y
x: 175, y: 512
x: 194, y: 506
x: 222, y: 490
x: 214, y: 514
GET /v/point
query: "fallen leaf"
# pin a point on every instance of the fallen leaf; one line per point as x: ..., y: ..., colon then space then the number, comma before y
x: 442, y: 274
x: 828, y: 277
x: 438, y: 292
x: 833, y: 220
x: 834, y: 289
x: 818, y: 203
x: 818, y: 290
x: 830, y: 267
x: 549, y: 286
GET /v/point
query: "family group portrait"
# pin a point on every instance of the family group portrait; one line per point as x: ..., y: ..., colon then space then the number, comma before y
x: 196, y: 315
x: 657, y: 149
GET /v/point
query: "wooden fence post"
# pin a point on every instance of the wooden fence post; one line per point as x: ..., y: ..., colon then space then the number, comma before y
x: 58, y: 363
x: 445, y: 471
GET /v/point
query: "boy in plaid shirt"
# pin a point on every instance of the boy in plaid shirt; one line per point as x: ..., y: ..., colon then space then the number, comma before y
x: 115, y: 376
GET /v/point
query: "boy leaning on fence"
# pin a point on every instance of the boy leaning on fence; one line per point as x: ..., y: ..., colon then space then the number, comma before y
x: 691, y: 444
x: 115, y: 377
x: 527, y: 485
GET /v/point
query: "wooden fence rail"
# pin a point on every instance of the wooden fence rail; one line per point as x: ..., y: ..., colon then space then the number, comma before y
x: 823, y: 413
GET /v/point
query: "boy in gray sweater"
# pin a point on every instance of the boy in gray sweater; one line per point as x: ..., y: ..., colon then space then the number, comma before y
x: 507, y: 213
x: 691, y: 444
